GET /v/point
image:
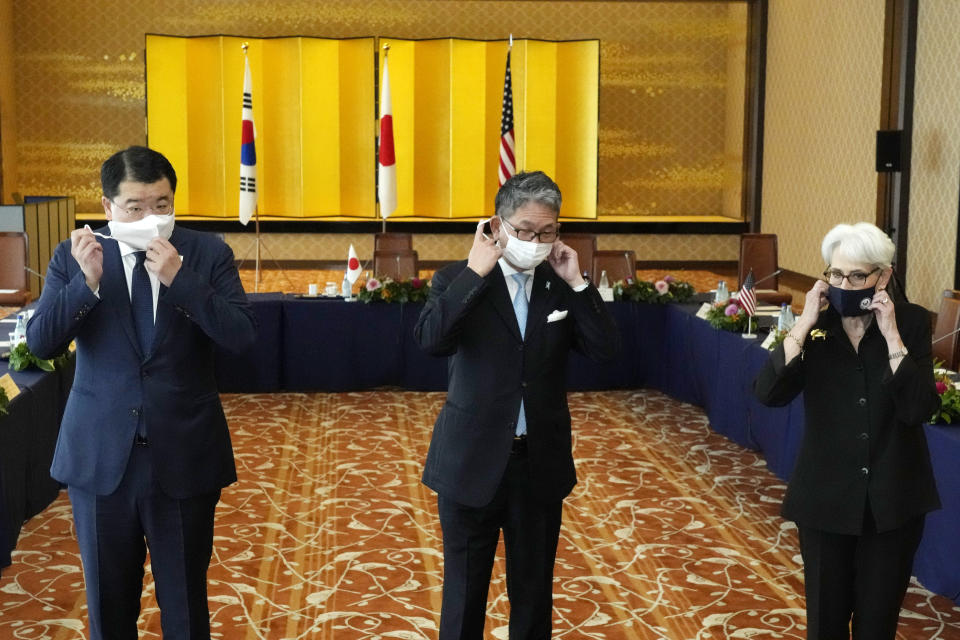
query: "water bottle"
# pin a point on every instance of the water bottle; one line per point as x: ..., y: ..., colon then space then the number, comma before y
x: 782, y: 318
x: 345, y: 288
x: 723, y: 295
x: 604, y: 283
x: 20, y: 331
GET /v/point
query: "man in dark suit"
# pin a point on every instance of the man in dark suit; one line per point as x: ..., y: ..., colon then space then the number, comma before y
x: 144, y: 447
x: 500, y: 456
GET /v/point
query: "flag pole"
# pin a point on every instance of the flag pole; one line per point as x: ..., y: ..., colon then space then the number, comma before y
x: 383, y: 218
x: 256, y: 222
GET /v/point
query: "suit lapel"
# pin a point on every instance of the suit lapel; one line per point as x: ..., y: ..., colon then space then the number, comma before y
x: 114, y: 290
x: 500, y: 296
x: 540, y: 297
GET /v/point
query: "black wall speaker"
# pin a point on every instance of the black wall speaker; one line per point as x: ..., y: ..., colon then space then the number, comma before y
x: 889, y: 149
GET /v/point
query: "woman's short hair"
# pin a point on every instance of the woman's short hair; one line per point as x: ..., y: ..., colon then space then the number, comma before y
x: 526, y: 187
x: 860, y: 242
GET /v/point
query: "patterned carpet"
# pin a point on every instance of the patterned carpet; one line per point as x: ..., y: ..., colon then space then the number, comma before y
x: 672, y: 533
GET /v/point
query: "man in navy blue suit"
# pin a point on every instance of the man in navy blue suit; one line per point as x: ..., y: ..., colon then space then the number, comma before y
x: 144, y: 447
x: 500, y: 456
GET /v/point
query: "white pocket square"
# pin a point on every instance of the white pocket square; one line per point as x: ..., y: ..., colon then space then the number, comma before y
x: 556, y: 314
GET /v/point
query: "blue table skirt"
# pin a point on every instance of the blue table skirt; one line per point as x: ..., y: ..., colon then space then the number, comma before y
x: 28, y: 436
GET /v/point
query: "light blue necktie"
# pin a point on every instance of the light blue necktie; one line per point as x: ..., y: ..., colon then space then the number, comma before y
x: 520, y: 306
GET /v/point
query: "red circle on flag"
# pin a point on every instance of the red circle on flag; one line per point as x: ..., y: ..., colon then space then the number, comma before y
x: 353, y: 264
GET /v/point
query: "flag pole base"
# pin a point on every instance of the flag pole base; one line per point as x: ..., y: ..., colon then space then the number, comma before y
x: 748, y: 336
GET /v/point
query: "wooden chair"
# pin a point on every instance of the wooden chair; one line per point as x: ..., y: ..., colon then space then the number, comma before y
x: 393, y: 241
x: 13, y: 274
x: 585, y: 244
x: 948, y: 319
x: 619, y: 265
x: 758, y: 251
x: 398, y: 265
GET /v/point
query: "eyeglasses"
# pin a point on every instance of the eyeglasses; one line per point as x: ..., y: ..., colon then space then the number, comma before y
x: 529, y: 236
x: 855, y: 278
x: 161, y: 209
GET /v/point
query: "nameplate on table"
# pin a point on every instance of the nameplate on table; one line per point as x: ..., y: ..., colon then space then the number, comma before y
x: 768, y: 341
x: 8, y: 385
x: 704, y: 310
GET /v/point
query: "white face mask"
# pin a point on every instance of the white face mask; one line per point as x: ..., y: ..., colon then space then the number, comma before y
x: 524, y: 253
x: 138, y: 234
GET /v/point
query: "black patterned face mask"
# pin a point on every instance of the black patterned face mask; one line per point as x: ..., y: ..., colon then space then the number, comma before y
x: 851, y: 302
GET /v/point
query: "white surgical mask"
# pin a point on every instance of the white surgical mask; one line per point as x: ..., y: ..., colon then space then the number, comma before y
x: 524, y: 254
x: 139, y: 233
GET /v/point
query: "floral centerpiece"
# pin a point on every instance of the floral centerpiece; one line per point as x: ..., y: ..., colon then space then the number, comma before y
x: 669, y: 289
x: 728, y: 316
x: 949, y: 397
x: 389, y: 290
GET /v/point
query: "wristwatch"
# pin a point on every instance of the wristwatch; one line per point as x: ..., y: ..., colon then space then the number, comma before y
x: 898, y: 354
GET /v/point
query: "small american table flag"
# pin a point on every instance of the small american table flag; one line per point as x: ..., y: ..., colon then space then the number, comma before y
x: 748, y: 295
x: 507, y: 158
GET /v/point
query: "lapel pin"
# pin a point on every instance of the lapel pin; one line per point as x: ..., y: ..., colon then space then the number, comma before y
x: 548, y: 285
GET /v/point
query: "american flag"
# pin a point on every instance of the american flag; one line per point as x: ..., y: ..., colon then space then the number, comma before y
x: 248, y: 150
x: 507, y: 158
x: 748, y: 295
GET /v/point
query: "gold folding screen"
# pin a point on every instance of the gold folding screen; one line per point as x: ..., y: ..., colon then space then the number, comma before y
x: 314, y: 110
x: 313, y: 106
x: 447, y: 98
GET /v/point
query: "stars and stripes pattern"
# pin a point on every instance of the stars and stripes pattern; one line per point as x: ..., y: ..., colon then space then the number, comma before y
x: 248, y: 150
x: 507, y: 149
x: 748, y: 295
x: 386, y: 159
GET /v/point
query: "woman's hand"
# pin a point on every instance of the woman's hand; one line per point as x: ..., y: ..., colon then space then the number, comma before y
x: 885, y: 312
x: 816, y: 298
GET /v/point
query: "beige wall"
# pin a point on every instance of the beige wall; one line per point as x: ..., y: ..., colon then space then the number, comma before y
x: 320, y: 246
x: 8, y: 115
x: 936, y: 153
x: 824, y: 64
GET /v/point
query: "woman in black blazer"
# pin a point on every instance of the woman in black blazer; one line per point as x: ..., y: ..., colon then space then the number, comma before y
x: 862, y: 482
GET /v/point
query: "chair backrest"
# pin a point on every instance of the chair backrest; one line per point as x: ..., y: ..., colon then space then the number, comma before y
x: 948, y: 319
x: 758, y: 251
x: 392, y: 241
x: 585, y: 244
x: 619, y: 265
x: 399, y: 265
x: 13, y: 260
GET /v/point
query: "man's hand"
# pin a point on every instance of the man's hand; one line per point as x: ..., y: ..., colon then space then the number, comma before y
x: 565, y: 263
x: 163, y: 260
x: 484, y: 253
x: 89, y: 255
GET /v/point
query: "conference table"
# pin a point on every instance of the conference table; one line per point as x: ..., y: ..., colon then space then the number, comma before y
x: 28, y: 435
x: 321, y: 344
x: 329, y: 345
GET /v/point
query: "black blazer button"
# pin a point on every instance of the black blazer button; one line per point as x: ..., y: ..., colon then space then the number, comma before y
x: 864, y: 470
x: 863, y: 436
x: 862, y: 402
x: 135, y: 412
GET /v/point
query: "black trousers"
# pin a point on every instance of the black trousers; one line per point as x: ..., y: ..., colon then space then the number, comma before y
x: 531, y: 530
x: 113, y: 533
x: 860, y: 578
